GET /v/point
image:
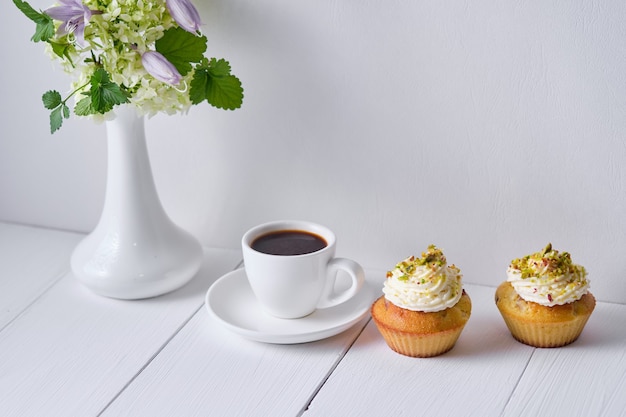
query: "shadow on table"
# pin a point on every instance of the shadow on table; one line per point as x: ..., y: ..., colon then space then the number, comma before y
x: 485, y: 336
x: 604, y: 328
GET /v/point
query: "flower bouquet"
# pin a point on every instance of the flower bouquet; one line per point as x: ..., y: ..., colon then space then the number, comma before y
x: 138, y: 57
x: 149, y: 53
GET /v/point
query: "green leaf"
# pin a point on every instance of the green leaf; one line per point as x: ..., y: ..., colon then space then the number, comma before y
x: 107, y: 96
x: 56, y: 119
x: 181, y: 48
x: 100, y: 76
x: 44, y: 31
x: 197, y: 94
x: 28, y: 11
x: 213, y: 82
x: 45, y: 25
x: 83, y: 107
x: 51, y: 99
x: 104, y: 93
x: 61, y: 50
x: 219, y: 68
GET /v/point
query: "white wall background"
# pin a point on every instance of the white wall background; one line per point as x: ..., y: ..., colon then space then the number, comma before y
x: 488, y: 128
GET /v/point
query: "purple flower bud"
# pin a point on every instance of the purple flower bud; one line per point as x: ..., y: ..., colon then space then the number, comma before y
x: 185, y: 14
x: 75, y: 15
x: 160, y: 68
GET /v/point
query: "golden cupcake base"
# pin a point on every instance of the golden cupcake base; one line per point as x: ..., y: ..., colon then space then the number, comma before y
x: 419, y: 334
x: 541, y: 326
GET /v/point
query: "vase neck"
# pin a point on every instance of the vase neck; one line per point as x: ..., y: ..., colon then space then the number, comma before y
x: 126, y: 125
x: 129, y: 175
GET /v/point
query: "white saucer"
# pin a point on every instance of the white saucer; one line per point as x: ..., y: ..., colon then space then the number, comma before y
x: 231, y: 301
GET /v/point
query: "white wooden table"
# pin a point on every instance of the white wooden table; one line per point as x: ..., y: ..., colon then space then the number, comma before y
x: 67, y: 352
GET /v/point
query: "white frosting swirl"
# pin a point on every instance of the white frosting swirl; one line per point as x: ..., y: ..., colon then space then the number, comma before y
x: 428, y: 284
x: 548, y: 278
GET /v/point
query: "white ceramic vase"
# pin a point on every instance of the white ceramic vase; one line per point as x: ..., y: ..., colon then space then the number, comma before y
x: 135, y: 251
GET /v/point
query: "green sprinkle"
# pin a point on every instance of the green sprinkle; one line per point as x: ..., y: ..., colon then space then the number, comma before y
x: 547, y: 262
x: 433, y: 258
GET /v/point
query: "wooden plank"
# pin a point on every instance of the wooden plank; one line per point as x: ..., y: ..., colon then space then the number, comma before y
x: 31, y: 260
x: 475, y: 378
x: 206, y: 370
x: 72, y: 351
x: 586, y: 378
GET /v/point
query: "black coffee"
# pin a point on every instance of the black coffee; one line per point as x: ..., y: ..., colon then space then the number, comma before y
x: 288, y: 242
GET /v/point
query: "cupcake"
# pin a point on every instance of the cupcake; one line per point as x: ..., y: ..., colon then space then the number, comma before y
x: 424, y: 307
x: 545, y: 301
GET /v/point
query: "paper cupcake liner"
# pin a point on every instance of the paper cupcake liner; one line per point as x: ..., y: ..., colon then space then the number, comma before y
x: 419, y: 346
x: 546, y: 335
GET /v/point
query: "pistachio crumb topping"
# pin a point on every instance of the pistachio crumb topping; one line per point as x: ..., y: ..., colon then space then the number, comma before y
x: 432, y: 258
x: 548, y: 262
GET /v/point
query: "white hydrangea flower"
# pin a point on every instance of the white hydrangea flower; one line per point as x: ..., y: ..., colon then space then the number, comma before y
x: 146, y: 52
x: 117, y: 37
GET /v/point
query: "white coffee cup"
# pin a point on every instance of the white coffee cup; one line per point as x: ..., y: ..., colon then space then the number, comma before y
x: 293, y: 286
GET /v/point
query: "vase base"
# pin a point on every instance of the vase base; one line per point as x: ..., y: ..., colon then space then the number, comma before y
x: 136, y: 273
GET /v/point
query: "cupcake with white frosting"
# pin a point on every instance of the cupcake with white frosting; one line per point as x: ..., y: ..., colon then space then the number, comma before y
x: 545, y: 301
x: 424, y: 307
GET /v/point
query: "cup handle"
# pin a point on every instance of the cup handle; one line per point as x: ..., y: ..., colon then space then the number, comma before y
x: 329, y: 298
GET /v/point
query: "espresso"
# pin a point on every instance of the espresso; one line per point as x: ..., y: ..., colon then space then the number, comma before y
x: 288, y: 242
